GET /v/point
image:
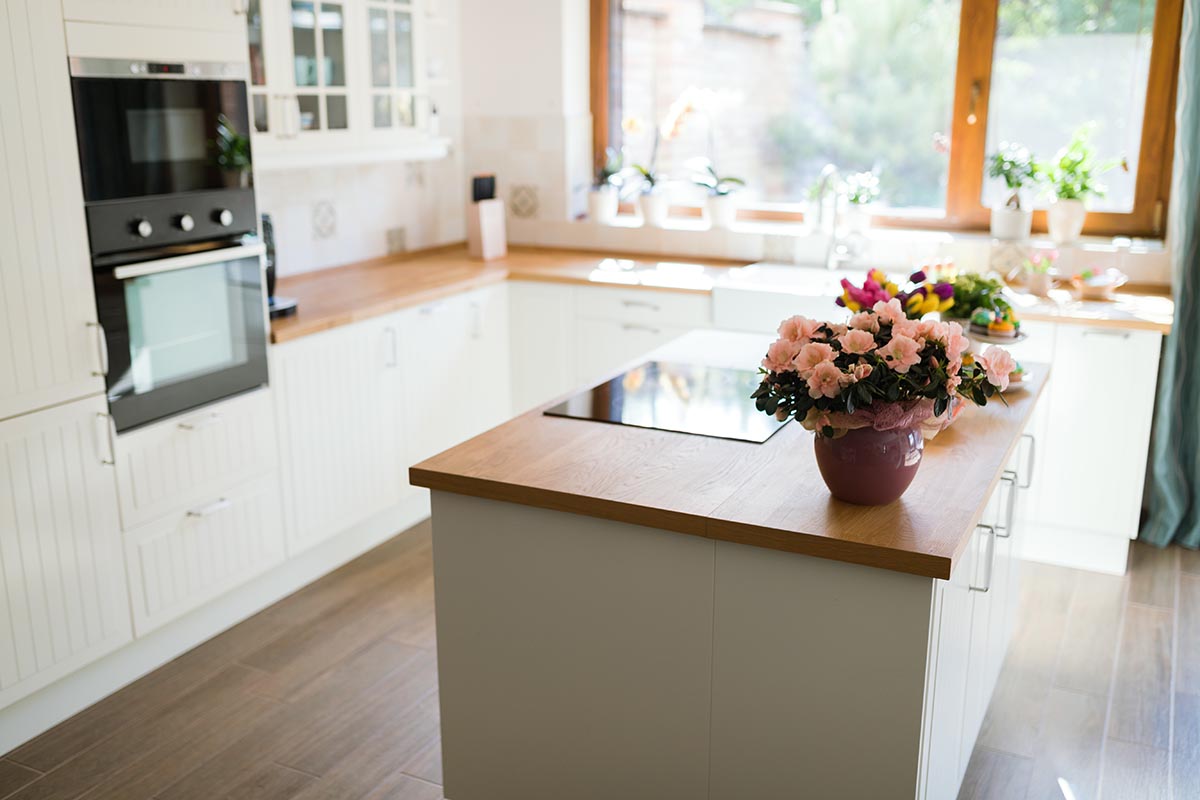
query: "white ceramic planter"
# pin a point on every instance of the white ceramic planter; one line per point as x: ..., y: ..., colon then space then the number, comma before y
x: 654, y: 208
x: 1011, y: 224
x: 1065, y: 220
x: 858, y: 219
x: 1040, y: 284
x: 602, y: 205
x: 722, y: 210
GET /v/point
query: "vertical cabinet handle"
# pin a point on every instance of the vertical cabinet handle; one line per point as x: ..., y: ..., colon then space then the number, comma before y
x: 476, y: 321
x: 104, y: 442
x: 1032, y: 451
x: 1010, y: 478
x: 393, y: 350
x: 989, y: 559
x: 294, y: 114
x: 101, y: 350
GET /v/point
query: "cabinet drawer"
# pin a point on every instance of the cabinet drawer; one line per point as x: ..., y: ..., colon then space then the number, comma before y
x: 181, y: 461
x: 646, y: 307
x: 184, y: 559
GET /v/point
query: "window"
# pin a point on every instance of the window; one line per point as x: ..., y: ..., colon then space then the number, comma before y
x: 917, y: 91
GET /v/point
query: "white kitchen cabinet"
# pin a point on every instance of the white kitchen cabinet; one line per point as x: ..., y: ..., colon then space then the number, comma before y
x: 616, y: 326
x: 53, y: 350
x: 338, y: 81
x: 541, y: 342
x: 337, y: 399
x: 63, y: 600
x: 179, y: 462
x: 184, y: 559
x: 456, y: 370
x: 203, y: 15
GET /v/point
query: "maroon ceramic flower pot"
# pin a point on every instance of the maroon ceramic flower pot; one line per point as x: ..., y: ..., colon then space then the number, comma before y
x: 870, y: 467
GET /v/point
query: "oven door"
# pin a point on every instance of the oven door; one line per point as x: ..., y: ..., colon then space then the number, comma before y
x: 182, y: 332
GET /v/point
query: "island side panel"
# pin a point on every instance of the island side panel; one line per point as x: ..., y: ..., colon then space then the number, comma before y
x: 818, y: 677
x: 574, y: 654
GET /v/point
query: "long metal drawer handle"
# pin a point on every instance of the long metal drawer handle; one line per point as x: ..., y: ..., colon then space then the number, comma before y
x: 1010, y: 478
x: 629, y: 326
x: 1032, y: 451
x: 210, y: 509
x: 991, y: 557
x: 641, y: 304
x: 200, y: 423
x: 1106, y: 332
x: 102, y: 348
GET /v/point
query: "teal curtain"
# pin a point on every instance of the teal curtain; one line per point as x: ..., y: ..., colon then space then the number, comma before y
x: 1175, y: 456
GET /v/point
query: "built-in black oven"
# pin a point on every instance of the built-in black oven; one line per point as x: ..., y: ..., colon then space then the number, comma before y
x: 182, y: 331
x: 165, y: 152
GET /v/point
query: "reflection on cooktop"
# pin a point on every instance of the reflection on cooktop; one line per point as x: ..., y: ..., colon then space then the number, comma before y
x: 687, y: 398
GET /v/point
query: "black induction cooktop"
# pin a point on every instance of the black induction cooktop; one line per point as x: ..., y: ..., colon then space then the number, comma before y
x: 686, y: 398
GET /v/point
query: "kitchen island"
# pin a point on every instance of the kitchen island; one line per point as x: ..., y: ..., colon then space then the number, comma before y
x: 634, y: 613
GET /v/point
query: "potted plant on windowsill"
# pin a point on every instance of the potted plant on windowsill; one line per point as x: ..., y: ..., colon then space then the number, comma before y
x: 1072, y: 180
x: 1016, y: 166
x: 604, y: 197
x: 722, y: 202
x: 872, y: 390
x: 862, y: 189
x: 652, y: 196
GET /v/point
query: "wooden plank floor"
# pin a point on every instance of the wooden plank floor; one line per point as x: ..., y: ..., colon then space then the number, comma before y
x: 332, y: 693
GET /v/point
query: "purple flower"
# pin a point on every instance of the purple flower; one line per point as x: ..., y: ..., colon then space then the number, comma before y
x: 918, y: 276
x: 944, y: 290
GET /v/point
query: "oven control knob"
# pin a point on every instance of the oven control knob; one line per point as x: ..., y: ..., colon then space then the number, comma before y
x: 223, y: 217
x: 185, y: 222
x: 141, y: 227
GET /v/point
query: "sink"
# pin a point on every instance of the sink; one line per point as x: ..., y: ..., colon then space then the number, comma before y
x: 755, y: 298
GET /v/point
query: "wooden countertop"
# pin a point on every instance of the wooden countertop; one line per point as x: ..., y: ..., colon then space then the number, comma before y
x: 342, y: 295
x: 769, y: 495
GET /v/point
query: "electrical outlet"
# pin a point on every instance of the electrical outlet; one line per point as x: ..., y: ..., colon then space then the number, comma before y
x: 324, y: 220
x: 397, y: 240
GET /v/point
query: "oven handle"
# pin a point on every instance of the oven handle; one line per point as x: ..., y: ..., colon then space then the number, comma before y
x: 190, y: 260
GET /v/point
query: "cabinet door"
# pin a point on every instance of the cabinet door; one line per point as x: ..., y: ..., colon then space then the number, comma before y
x: 394, y: 53
x: 542, y: 343
x: 952, y: 634
x: 52, y: 351
x: 63, y: 600
x: 983, y: 602
x: 1098, y: 429
x: 200, y: 15
x: 336, y: 394
x: 456, y: 381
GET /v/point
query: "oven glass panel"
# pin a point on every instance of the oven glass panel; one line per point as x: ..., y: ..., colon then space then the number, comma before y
x: 186, y: 323
x: 152, y: 136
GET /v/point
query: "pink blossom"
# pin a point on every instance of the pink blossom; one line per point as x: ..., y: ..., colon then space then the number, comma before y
x: 865, y: 321
x: 798, y: 328
x: 780, y: 355
x: 953, y: 382
x: 857, y: 342
x: 810, y: 356
x: 890, y: 312
x: 861, y: 371
x: 956, y: 342
x: 908, y: 327
x: 901, y: 353
x: 933, y: 330
x: 999, y: 365
x: 826, y: 380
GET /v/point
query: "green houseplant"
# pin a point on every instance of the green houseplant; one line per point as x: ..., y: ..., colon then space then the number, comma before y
x: 1017, y: 168
x: 1072, y: 178
x: 654, y: 203
x: 722, y: 197
x: 604, y: 197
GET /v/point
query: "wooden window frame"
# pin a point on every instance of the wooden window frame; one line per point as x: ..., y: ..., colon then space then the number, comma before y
x: 964, y: 208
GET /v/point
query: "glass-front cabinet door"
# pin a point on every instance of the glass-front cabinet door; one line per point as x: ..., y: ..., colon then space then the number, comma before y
x: 393, y: 64
x: 318, y: 39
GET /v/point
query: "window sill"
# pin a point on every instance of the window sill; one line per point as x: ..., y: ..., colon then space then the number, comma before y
x: 1144, y: 260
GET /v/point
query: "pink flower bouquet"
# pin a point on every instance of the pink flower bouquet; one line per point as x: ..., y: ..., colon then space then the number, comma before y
x: 880, y: 370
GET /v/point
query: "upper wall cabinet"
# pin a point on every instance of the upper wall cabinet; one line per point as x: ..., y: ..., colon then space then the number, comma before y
x: 338, y: 82
x: 223, y: 16
x: 52, y: 349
